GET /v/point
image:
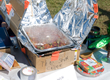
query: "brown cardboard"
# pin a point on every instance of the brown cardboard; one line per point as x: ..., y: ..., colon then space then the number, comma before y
x: 18, y: 13
x: 44, y: 64
x: 18, y: 7
x: 5, y: 50
x: 14, y: 22
x: 0, y: 3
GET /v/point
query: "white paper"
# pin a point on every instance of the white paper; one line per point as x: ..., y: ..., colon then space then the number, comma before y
x: 3, y: 7
x: 90, y: 62
x: 9, y: 59
x: 67, y: 73
x: 75, y: 55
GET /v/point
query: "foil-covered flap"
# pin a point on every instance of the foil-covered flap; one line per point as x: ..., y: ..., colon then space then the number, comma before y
x: 76, y: 19
x: 37, y: 13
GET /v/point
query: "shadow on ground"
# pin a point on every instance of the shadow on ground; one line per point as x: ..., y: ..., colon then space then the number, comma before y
x: 107, y: 13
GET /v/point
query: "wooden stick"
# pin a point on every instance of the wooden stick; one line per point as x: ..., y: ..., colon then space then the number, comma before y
x: 31, y: 8
x: 19, y: 44
x: 108, y: 49
x: 5, y: 2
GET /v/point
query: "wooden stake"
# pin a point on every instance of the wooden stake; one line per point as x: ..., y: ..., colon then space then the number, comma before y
x: 5, y: 2
x: 31, y: 8
x: 19, y: 44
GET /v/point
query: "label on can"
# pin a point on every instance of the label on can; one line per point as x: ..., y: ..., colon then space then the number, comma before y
x: 28, y: 71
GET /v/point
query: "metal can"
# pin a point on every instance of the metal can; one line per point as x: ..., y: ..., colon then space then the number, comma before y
x: 28, y: 73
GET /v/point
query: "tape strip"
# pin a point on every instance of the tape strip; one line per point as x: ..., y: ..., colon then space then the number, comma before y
x: 55, y: 55
x: 26, y: 4
x: 23, y: 50
x: 95, y: 8
x: 28, y: 73
x: 96, y: 16
x: 8, y: 7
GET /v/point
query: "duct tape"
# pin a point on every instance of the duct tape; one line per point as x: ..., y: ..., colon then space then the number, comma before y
x: 28, y: 73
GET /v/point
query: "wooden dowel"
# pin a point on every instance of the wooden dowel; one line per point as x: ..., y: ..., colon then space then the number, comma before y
x: 31, y: 8
x: 5, y: 2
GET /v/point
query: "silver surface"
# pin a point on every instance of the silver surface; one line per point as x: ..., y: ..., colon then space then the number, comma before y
x: 28, y: 77
x: 75, y: 18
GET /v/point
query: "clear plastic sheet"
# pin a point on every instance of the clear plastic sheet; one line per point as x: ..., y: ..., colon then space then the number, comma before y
x: 75, y: 19
x: 47, y: 37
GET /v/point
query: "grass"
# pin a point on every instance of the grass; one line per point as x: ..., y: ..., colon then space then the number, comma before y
x: 104, y: 16
x: 54, y: 7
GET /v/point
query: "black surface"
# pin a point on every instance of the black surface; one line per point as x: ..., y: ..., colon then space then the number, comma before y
x: 10, y: 32
x: 5, y: 41
x: 19, y: 55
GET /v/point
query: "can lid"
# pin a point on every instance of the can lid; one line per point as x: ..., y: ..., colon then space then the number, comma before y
x: 95, y: 30
x: 28, y: 71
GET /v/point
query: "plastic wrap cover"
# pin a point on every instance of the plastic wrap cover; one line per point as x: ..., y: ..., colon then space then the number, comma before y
x: 75, y: 18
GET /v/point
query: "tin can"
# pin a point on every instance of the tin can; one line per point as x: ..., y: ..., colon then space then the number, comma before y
x: 28, y: 73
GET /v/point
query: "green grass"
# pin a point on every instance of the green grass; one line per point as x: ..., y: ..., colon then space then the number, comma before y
x: 104, y: 16
x: 54, y: 7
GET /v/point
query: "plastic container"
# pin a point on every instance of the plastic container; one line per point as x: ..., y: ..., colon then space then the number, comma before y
x: 95, y: 31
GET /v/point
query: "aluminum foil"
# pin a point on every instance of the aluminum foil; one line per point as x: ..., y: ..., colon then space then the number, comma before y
x: 75, y: 18
x: 41, y: 15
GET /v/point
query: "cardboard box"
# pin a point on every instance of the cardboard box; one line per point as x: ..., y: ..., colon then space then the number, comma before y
x: 13, y: 25
x: 18, y: 13
x: 5, y: 50
x: 44, y: 64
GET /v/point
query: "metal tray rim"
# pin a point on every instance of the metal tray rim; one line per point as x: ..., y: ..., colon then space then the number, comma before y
x: 49, y: 49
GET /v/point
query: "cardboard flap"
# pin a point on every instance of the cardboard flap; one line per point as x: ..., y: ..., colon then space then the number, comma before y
x: 6, y: 50
x: 15, y: 64
x: 18, y: 7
